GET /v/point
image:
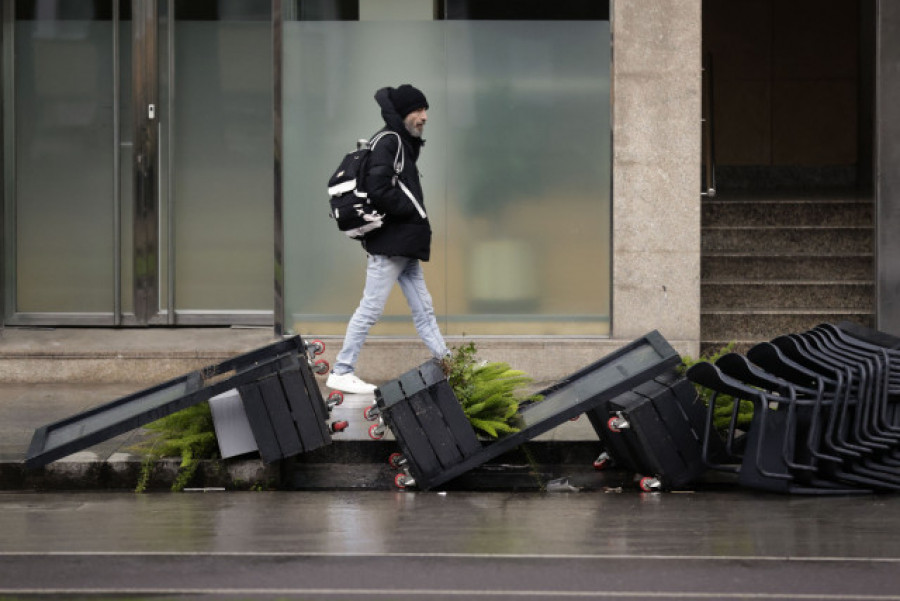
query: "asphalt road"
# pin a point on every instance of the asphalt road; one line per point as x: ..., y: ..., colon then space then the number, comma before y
x: 396, y: 545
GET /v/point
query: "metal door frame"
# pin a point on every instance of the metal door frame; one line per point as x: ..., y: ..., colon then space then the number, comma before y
x: 145, y: 113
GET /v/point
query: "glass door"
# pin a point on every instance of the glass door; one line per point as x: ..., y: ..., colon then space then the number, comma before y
x: 215, y: 84
x: 61, y: 126
x: 138, y: 162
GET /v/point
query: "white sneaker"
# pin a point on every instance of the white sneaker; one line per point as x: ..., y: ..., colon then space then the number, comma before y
x: 349, y: 383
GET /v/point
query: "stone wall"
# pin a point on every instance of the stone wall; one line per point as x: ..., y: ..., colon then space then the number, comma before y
x: 656, y: 79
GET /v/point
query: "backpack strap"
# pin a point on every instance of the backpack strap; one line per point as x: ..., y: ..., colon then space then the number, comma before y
x: 398, y: 158
x: 398, y: 167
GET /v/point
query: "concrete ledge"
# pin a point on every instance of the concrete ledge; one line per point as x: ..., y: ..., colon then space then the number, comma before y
x: 146, y: 357
x: 80, y: 473
x: 342, y: 465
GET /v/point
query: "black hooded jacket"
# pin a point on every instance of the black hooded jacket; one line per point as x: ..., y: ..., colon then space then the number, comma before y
x: 405, y: 232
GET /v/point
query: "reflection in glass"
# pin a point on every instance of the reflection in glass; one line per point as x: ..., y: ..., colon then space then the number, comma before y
x: 515, y: 171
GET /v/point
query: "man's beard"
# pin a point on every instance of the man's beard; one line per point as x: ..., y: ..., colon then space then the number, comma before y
x: 413, y: 131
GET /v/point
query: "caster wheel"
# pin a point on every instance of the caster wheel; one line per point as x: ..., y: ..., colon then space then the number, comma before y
x: 397, y: 460
x: 371, y: 413
x: 617, y: 423
x: 602, y: 461
x: 402, y: 481
x: 316, y: 347
x: 650, y: 484
x: 340, y: 426
x: 575, y: 419
x: 376, y: 431
x: 320, y: 367
x: 334, y: 399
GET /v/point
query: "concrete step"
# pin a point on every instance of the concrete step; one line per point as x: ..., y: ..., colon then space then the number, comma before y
x: 721, y: 326
x: 146, y: 356
x: 786, y: 294
x: 725, y: 266
x: 798, y: 241
x: 780, y: 212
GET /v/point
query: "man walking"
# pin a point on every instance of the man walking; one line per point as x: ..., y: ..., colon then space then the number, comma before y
x: 396, y: 249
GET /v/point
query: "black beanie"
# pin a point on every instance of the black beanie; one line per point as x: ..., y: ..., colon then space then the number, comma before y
x: 407, y: 99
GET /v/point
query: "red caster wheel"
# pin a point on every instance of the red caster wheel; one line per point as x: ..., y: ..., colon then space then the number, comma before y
x: 397, y: 460
x: 371, y: 413
x: 340, y: 426
x: 650, y: 484
x: 602, y: 461
x: 316, y: 347
x: 334, y: 399
x: 376, y: 431
x: 320, y: 366
x: 575, y: 419
x: 617, y: 423
x: 403, y: 481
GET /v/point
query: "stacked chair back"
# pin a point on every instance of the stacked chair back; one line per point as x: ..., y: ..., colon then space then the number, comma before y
x: 825, y: 417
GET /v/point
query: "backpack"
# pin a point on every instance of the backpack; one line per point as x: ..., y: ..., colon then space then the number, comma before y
x: 351, y: 208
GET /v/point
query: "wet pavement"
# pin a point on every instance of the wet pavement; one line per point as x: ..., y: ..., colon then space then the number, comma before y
x: 414, y: 545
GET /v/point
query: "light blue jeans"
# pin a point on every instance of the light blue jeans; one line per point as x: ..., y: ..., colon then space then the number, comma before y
x: 381, y: 274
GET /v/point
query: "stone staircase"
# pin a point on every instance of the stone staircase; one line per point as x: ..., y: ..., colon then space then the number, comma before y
x: 778, y: 263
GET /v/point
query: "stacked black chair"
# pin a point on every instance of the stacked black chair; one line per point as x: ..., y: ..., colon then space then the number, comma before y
x: 825, y: 412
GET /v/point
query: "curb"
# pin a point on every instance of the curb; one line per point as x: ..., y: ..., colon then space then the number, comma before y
x: 345, y: 465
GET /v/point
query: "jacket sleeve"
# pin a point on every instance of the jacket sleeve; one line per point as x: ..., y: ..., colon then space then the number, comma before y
x: 387, y: 197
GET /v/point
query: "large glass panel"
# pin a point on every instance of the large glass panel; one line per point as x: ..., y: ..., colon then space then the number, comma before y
x: 64, y: 148
x: 221, y: 156
x: 515, y: 171
x: 331, y: 72
x: 527, y: 185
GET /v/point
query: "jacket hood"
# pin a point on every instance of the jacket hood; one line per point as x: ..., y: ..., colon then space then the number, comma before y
x: 392, y: 118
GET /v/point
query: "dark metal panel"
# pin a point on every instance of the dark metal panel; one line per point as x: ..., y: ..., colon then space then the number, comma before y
x: 3, y: 86
x: 456, y: 419
x: 668, y: 403
x: 888, y: 167
x: 283, y: 423
x: 413, y: 440
x: 306, y: 419
x: 389, y: 394
x: 411, y: 382
x: 317, y: 403
x: 7, y: 128
x: 260, y: 424
x: 277, y: 49
x: 146, y: 140
x: 432, y: 422
x: 432, y: 372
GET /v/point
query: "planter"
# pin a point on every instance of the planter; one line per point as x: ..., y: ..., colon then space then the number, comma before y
x: 437, y: 441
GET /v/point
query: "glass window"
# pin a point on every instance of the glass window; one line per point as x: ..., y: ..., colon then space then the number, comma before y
x: 64, y: 146
x: 515, y: 171
x: 221, y: 163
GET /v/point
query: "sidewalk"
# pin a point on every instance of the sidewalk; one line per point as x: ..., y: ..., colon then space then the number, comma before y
x: 49, y: 374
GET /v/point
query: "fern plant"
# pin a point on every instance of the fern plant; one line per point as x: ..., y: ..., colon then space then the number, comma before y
x: 724, y: 403
x: 489, y: 392
x: 188, y: 434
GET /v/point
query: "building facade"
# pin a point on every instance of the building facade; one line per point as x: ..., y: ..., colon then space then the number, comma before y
x: 165, y: 163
